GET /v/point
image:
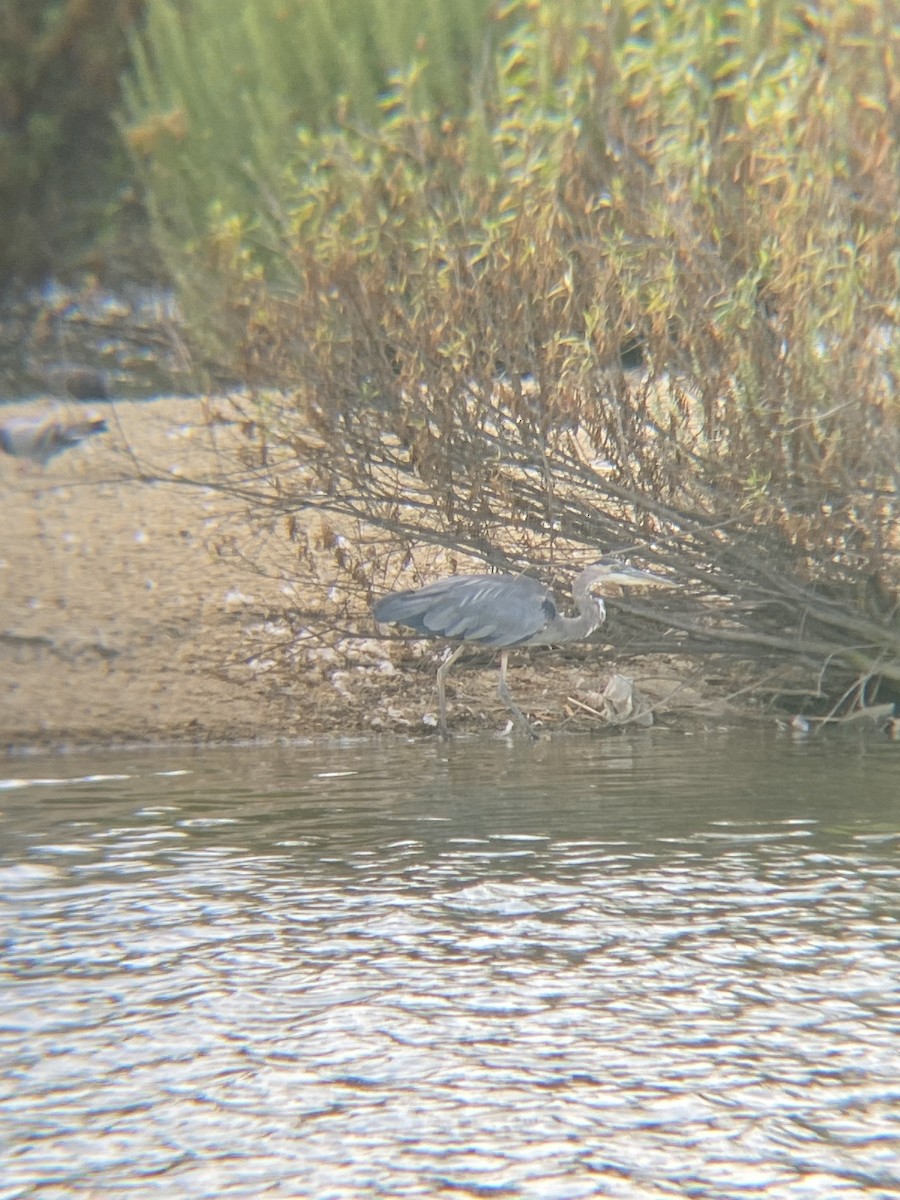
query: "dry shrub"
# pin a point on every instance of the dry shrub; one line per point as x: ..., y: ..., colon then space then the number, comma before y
x: 466, y: 295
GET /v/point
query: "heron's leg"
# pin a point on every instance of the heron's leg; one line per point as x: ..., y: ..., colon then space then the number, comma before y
x: 517, y: 715
x: 442, y: 672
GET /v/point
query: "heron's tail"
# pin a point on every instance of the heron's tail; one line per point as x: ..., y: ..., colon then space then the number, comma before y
x: 404, y: 608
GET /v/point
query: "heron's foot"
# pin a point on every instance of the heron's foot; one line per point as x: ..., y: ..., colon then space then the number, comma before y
x: 512, y: 727
x: 520, y: 721
x: 438, y: 723
x: 519, y: 718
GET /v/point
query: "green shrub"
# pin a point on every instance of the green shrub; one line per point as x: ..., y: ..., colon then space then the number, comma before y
x: 223, y: 94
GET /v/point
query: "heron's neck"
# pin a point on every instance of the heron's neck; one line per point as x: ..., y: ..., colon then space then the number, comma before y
x: 591, y: 614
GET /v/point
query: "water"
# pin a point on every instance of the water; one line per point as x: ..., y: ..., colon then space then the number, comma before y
x: 649, y: 968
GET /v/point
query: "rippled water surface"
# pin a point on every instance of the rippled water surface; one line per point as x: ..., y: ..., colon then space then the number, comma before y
x: 649, y: 968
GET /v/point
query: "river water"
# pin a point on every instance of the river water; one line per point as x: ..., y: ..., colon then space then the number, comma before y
x: 665, y: 966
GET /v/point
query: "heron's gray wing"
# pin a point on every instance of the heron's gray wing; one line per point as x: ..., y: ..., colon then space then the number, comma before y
x: 496, y: 610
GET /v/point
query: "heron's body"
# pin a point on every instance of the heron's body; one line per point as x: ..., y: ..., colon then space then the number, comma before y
x: 504, y: 611
x: 41, y: 438
x: 491, y: 610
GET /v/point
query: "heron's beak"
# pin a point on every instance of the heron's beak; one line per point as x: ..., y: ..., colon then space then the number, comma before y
x: 627, y: 576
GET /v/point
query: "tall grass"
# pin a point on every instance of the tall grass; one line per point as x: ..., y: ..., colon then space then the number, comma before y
x: 223, y: 94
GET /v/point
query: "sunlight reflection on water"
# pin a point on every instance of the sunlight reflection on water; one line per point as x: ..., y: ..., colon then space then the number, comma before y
x: 640, y: 968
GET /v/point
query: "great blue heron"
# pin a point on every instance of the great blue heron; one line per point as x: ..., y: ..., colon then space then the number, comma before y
x: 40, y: 438
x: 505, y: 611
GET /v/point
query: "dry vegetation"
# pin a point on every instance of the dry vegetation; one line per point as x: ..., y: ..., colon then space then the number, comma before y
x: 437, y: 310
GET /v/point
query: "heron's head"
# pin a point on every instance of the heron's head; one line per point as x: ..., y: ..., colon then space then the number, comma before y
x: 613, y: 570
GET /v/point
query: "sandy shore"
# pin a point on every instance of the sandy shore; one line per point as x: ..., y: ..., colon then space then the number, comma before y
x: 120, y: 617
